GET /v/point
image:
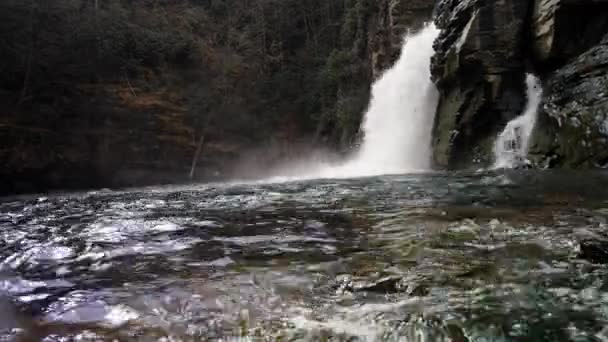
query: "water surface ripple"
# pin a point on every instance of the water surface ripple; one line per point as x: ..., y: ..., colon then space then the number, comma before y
x: 435, y: 257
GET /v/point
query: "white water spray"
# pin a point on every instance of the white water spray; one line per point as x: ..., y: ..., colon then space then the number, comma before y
x: 511, y: 148
x: 398, y: 123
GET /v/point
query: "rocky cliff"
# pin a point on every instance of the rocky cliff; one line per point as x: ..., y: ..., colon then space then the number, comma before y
x: 395, y: 19
x: 570, y: 50
x: 484, y: 51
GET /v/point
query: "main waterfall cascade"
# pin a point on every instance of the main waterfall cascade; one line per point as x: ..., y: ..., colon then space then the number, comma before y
x: 398, y: 123
x: 511, y: 148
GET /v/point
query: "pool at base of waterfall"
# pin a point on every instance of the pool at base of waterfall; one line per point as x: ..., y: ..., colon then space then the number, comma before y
x: 429, y: 257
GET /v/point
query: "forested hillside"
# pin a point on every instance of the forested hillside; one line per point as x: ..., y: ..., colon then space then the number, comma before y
x: 122, y: 92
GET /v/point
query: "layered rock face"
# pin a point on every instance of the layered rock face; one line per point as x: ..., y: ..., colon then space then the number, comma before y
x: 563, y: 29
x: 486, y: 48
x: 571, y: 52
x: 394, y: 20
x: 479, y: 69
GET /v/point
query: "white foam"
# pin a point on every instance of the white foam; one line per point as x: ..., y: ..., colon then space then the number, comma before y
x: 511, y: 147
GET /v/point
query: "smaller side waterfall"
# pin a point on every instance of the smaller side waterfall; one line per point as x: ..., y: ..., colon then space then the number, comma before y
x: 511, y: 148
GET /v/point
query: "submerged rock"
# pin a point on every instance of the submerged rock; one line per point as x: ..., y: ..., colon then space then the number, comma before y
x: 417, y: 327
x: 384, y: 285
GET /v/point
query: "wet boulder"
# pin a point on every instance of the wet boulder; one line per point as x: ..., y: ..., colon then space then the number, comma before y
x: 395, y: 285
x: 595, y: 251
x: 479, y: 68
x: 383, y: 285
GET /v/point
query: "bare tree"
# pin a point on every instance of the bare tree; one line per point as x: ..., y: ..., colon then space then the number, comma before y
x: 30, y: 52
x: 199, y: 146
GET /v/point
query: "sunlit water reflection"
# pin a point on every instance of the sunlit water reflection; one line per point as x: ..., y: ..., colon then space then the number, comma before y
x: 442, y: 257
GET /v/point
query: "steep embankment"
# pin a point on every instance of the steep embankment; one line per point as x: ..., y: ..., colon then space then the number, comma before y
x: 482, y: 56
x: 116, y: 93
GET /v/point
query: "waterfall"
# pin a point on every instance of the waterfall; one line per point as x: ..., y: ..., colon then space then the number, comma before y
x: 397, y: 126
x: 511, y: 147
x: 398, y: 123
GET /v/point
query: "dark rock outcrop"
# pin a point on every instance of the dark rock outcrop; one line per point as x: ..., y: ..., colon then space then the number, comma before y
x: 386, y: 285
x: 572, y: 129
x: 479, y: 69
x: 595, y: 251
x: 571, y: 50
x: 563, y: 29
x: 396, y: 18
x: 482, y: 55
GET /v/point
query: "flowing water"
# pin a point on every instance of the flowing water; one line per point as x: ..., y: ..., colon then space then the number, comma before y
x: 397, y: 125
x: 511, y: 148
x: 429, y: 257
x: 419, y: 257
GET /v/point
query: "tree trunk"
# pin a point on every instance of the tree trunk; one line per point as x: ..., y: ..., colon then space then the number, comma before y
x: 197, y: 154
x: 26, y: 77
x: 30, y: 54
x: 199, y: 148
x: 130, y: 86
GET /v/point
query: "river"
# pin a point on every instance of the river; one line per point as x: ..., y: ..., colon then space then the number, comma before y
x: 429, y: 257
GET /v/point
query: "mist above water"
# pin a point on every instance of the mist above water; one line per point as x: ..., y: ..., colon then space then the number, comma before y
x: 511, y: 148
x: 398, y: 123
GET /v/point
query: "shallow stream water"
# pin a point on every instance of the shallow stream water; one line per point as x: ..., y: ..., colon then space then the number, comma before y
x: 434, y: 257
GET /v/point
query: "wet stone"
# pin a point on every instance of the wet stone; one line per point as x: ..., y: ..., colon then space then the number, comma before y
x: 595, y: 251
x: 384, y: 285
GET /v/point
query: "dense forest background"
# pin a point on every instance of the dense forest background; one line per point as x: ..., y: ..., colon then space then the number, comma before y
x: 109, y: 93
x: 124, y: 92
